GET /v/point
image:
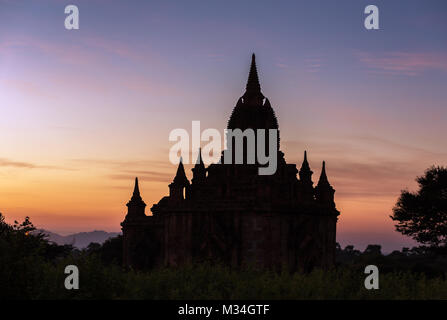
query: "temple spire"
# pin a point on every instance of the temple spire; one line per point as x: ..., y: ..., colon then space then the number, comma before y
x: 180, y: 176
x: 253, y: 88
x: 253, y: 80
x: 305, y: 172
x: 305, y: 165
x: 324, y: 193
x: 136, y: 189
x: 199, y: 171
x: 199, y: 158
x: 323, y: 177
x: 178, y: 189
x: 136, y: 197
x: 136, y: 205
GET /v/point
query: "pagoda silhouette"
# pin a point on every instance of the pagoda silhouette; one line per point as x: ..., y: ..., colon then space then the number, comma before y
x: 230, y: 214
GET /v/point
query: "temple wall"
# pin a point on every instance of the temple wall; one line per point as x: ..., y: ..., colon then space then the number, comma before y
x: 271, y: 240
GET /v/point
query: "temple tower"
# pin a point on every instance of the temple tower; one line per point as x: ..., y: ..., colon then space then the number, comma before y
x: 179, y: 187
x: 136, y: 206
x: 199, y: 171
x: 306, y: 180
x: 133, y: 226
x: 252, y: 111
x: 233, y: 215
x: 324, y: 193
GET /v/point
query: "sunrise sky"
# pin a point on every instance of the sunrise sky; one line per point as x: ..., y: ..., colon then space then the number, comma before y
x: 85, y: 111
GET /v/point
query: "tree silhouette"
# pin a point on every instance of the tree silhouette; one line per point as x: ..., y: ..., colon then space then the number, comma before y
x: 423, y: 214
x: 373, y: 249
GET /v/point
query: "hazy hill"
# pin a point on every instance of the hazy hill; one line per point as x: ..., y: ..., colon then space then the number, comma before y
x: 80, y: 240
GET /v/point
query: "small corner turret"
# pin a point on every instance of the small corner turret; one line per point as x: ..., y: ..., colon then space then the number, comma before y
x: 136, y: 206
x: 324, y: 193
x: 180, y: 185
x: 199, y: 170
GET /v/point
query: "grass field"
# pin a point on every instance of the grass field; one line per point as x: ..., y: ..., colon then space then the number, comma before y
x: 214, y: 282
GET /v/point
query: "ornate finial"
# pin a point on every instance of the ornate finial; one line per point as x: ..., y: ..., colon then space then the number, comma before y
x: 136, y: 189
x: 199, y: 171
x: 324, y: 193
x: 199, y: 158
x: 136, y: 197
x: 180, y: 169
x: 323, y: 177
x: 180, y: 177
x: 305, y: 172
x: 253, y: 87
x: 305, y: 166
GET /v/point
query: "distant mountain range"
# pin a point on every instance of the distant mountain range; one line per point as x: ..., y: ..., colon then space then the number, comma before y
x: 79, y: 240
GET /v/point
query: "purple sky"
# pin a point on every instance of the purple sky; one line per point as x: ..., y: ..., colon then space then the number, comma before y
x: 84, y: 111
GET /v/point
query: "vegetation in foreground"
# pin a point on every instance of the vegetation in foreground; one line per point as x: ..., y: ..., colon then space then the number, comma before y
x: 33, y: 268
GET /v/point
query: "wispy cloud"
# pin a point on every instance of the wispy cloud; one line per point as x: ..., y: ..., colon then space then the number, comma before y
x: 87, y: 50
x: 65, y: 53
x: 117, y: 48
x: 373, y: 179
x: 367, y: 167
x: 314, y: 64
x: 25, y: 87
x: 27, y: 165
x: 403, y: 63
x: 159, y: 171
x: 311, y: 64
x: 18, y: 164
x: 151, y: 176
x: 215, y: 56
x: 282, y: 65
x: 113, y: 163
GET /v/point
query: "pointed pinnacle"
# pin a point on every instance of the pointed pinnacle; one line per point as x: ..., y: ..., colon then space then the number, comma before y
x: 136, y: 190
x: 253, y: 85
x: 180, y: 169
x: 305, y: 166
x: 180, y: 176
x: 323, y: 176
x: 136, y: 198
x: 199, y: 158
